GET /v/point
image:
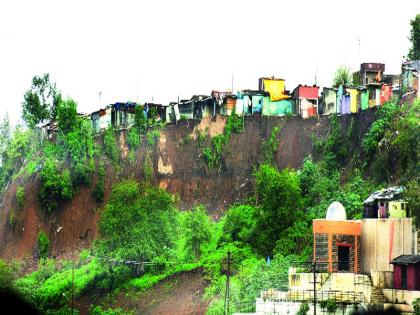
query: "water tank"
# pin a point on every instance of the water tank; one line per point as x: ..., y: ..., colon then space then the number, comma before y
x: 336, y: 212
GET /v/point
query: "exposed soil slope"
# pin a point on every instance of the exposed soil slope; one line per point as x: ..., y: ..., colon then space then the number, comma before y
x: 177, y: 166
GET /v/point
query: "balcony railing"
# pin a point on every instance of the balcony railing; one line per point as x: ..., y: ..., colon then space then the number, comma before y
x: 347, y: 297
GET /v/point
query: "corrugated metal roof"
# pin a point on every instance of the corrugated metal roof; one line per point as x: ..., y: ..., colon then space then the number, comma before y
x: 391, y: 193
x: 406, y: 260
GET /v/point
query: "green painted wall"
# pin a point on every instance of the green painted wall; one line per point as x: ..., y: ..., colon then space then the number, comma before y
x: 278, y: 108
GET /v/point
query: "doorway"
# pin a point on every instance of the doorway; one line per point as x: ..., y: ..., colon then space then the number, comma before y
x: 343, y: 258
x: 403, y: 277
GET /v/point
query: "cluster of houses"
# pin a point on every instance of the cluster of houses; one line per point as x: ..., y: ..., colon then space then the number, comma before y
x: 370, y: 262
x: 272, y: 99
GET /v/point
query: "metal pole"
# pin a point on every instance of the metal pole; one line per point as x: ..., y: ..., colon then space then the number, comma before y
x: 72, y: 288
x: 314, y: 265
x: 227, y: 286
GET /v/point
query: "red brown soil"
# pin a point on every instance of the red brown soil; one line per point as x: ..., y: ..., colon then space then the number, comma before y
x: 178, y: 166
x: 178, y: 294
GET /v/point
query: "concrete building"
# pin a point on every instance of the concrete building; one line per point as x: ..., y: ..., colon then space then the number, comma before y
x: 372, y: 262
x: 306, y: 100
x: 371, y: 72
x: 410, y: 79
x: 276, y: 88
x: 329, y: 101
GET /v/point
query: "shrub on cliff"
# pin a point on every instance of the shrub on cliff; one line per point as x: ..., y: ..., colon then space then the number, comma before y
x: 56, y: 185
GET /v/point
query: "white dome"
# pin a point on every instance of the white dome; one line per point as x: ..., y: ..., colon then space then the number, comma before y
x: 336, y: 212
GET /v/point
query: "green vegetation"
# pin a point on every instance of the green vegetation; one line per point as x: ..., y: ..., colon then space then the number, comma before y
x: 140, y: 121
x: 8, y: 273
x: 264, y: 233
x: 270, y: 146
x: 20, y: 197
x: 110, y: 145
x: 197, y: 226
x: 16, y: 149
x: 303, y: 309
x: 342, y: 76
x: 391, y: 144
x: 99, y: 189
x: 279, y: 199
x: 329, y: 305
x: 416, y: 306
x: 213, y: 154
x: 97, y: 310
x: 414, y: 53
x: 133, y: 138
x: 138, y: 223
x: 40, y: 101
x: 56, y: 185
x: 12, y: 220
x: 412, y: 195
x: 385, y: 115
x: 67, y: 115
x: 43, y: 245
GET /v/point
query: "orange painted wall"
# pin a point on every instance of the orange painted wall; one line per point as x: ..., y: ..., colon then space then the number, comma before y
x: 337, y: 227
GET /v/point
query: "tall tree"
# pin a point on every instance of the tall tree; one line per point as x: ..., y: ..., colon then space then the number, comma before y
x: 67, y: 115
x: 414, y: 53
x: 138, y: 223
x: 279, y: 199
x: 198, y: 230
x: 40, y: 101
x: 4, y: 135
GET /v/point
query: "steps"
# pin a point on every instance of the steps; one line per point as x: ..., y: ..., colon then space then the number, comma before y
x: 376, y: 296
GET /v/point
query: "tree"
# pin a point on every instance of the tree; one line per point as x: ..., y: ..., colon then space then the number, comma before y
x: 40, y: 101
x: 239, y: 224
x: 138, y: 223
x: 197, y: 227
x: 279, y: 198
x: 412, y: 195
x: 140, y: 120
x: 414, y: 53
x: 4, y: 136
x: 67, y: 115
x: 342, y: 76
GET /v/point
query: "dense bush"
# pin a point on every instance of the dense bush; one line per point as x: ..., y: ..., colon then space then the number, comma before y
x: 269, y: 147
x: 239, y: 224
x: 140, y: 121
x: 67, y: 115
x: 99, y: 188
x: 7, y: 274
x: 79, y: 147
x: 110, y: 145
x: 133, y: 138
x: 385, y: 115
x: 20, y: 197
x: 43, y: 245
x: 197, y: 227
x: 16, y: 150
x: 53, y: 290
x: 97, y: 310
x: 138, y: 222
x: 56, y: 185
x: 279, y: 198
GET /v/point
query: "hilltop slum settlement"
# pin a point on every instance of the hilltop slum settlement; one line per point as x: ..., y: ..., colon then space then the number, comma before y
x: 374, y: 261
x: 271, y: 99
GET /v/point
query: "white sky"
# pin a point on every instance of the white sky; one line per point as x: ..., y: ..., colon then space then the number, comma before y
x: 163, y: 49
